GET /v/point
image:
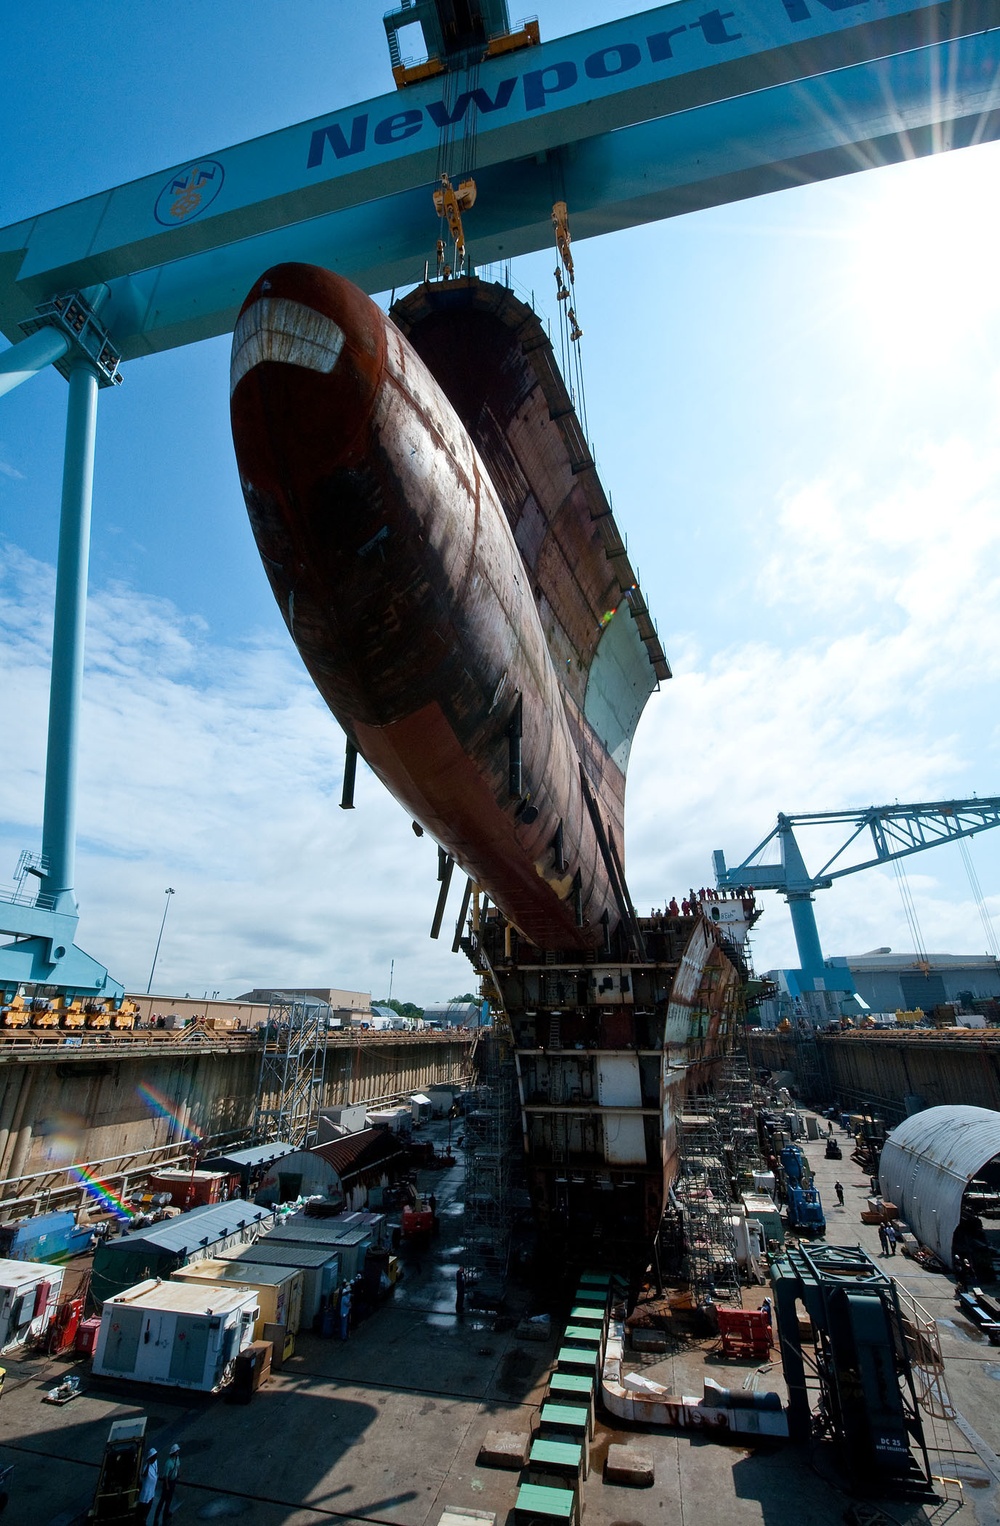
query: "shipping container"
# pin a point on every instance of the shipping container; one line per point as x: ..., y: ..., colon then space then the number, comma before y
x: 278, y: 1288
x: 29, y: 1293
x: 184, y: 1335
x: 190, y: 1189
x: 46, y: 1237
x: 161, y: 1248
x: 352, y: 1244
x: 319, y: 1265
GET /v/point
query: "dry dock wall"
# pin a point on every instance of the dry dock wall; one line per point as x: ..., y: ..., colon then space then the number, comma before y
x: 886, y: 1073
x: 115, y: 1099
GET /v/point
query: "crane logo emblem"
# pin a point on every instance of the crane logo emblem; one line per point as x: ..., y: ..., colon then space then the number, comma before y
x: 189, y: 192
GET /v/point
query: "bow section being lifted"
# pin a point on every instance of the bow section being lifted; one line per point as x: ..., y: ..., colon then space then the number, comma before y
x: 449, y: 570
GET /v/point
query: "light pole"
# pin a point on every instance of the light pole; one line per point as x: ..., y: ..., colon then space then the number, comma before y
x: 166, y: 907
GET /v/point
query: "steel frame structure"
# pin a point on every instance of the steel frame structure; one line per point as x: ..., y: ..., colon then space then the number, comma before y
x: 896, y: 832
x: 292, y: 1066
x: 644, y: 118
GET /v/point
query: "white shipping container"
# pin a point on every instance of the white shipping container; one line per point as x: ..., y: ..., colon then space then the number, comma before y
x: 29, y: 1293
x: 176, y: 1333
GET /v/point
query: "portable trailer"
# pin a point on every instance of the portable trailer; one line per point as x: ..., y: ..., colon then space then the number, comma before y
x: 278, y: 1288
x: 351, y: 1244
x: 866, y: 1396
x: 180, y: 1334
x: 319, y: 1265
x: 29, y: 1293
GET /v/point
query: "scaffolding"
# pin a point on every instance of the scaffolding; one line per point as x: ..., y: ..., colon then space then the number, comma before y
x: 736, y: 1115
x: 490, y: 1150
x: 292, y: 1064
x: 704, y: 1193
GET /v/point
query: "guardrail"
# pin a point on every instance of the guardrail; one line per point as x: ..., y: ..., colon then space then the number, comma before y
x: 36, y: 1041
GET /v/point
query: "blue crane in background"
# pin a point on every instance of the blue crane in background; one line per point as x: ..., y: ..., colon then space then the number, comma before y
x: 896, y: 831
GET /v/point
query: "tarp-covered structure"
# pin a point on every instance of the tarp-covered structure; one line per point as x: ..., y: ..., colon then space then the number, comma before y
x: 928, y: 1163
x: 341, y: 1171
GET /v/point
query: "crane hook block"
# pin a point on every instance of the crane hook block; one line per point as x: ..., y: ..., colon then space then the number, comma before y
x: 450, y: 203
x: 560, y: 223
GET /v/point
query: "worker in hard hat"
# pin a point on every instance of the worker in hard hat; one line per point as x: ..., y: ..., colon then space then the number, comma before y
x: 169, y: 1474
x: 148, y: 1480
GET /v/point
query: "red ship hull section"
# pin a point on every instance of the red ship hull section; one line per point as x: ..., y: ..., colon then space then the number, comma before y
x: 400, y: 581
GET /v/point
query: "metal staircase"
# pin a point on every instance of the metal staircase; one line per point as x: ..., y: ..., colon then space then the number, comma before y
x: 292, y: 1063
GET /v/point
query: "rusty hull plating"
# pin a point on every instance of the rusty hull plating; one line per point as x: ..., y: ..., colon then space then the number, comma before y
x: 451, y: 582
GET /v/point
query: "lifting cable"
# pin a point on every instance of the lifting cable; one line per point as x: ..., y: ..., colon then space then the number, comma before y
x: 910, y: 912
x: 570, y: 331
x: 992, y: 944
x: 450, y: 201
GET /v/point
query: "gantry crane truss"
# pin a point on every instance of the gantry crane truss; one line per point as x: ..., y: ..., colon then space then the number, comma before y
x: 896, y: 831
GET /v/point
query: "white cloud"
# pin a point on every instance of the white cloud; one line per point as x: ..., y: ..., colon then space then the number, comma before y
x: 6, y: 470
x: 879, y: 683
x: 217, y: 771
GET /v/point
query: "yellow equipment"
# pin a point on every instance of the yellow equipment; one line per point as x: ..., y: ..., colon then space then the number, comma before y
x: 74, y: 1016
x: 97, y: 1014
x: 125, y: 1016
x: 450, y: 204
x: 18, y: 1014
x: 44, y: 1013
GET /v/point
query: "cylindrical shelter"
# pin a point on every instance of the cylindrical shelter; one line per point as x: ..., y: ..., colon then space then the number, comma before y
x: 928, y: 1164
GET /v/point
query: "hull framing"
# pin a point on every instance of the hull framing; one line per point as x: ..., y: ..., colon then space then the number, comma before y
x: 606, y: 1051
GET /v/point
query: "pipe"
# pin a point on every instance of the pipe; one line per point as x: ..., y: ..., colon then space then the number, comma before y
x: 66, y: 683
x: 24, y: 360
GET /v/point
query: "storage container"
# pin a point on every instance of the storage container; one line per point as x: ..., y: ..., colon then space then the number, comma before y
x: 180, y: 1334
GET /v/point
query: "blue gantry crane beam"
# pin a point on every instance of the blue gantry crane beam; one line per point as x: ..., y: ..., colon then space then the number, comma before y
x: 646, y: 117
x: 896, y: 832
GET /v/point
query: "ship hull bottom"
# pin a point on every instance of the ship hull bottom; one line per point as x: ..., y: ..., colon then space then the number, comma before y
x: 605, y: 1055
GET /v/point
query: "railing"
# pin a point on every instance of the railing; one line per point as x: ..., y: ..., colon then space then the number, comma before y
x: 20, y: 895
x: 35, y: 1040
x: 60, y: 1182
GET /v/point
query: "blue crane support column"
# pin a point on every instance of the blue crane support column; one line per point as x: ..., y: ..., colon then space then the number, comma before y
x: 23, y: 361
x: 798, y: 889
x: 66, y: 684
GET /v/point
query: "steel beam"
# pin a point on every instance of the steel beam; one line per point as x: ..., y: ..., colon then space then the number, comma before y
x: 24, y: 360
x: 641, y: 119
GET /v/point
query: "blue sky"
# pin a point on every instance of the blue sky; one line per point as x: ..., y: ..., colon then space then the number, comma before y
x: 794, y: 406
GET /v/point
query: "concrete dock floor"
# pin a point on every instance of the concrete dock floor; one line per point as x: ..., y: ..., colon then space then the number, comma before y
x: 385, y: 1429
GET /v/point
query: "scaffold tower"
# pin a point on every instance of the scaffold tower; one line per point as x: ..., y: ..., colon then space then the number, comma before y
x: 292, y: 1064
x: 490, y: 1149
x: 703, y: 1190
